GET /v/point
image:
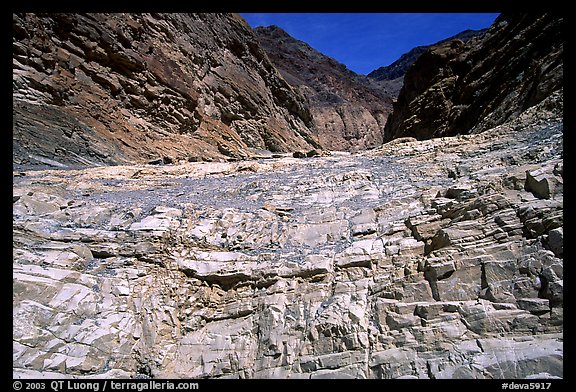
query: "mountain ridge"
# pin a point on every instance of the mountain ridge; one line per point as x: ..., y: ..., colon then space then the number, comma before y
x: 458, y: 88
x: 349, y: 110
x: 398, y: 68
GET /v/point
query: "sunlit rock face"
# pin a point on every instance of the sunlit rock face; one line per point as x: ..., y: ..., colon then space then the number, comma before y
x: 420, y: 259
x: 349, y: 110
x: 131, y: 88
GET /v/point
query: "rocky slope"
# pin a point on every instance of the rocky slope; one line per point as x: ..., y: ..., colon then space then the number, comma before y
x: 399, y: 67
x: 433, y: 259
x: 460, y: 88
x: 349, y: 110
x: 117, y: 88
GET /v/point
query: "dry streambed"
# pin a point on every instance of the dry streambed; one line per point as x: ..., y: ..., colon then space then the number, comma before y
x: 433, y: 259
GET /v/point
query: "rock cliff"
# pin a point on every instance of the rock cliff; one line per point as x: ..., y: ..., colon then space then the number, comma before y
x: 459, y: 88
x: 434, y: 259
x: 348, y: 109
x: 399, y: 67
x: 117, y: 88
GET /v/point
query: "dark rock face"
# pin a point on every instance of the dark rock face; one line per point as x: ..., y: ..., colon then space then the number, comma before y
x: 349, y: 110
x: 460, y: 88
x: 399, y: 67
x: 117, y: 88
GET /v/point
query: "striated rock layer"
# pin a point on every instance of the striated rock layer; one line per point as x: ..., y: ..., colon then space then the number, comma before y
x: 118, y: 88
x: 460, y: 88
x: 433, y: 259
x: 348, y: 110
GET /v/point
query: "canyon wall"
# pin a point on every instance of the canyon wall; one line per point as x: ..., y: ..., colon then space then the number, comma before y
x: 117, y: 88
x: 459, y: 88
x: 349, y: 110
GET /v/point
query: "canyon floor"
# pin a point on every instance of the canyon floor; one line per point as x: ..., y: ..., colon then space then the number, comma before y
x: 419, y: 259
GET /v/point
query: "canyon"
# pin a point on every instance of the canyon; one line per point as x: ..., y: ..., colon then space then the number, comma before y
x: 436, y: 259
x: 230, y: 241
x: 459, y: 88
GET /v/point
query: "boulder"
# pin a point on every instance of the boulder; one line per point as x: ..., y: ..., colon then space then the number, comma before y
x: 556, y: 241
x: 543, y: 183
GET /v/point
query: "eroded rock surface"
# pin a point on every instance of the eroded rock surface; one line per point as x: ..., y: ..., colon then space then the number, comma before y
x: 460, y: 88
x: 399, y: 67
x: 433, y: 259
x: 131, y: 88
x: 349, y: 110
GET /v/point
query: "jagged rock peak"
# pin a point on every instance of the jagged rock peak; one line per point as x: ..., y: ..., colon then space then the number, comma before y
x: 399, y: 67
x: 274, y: 31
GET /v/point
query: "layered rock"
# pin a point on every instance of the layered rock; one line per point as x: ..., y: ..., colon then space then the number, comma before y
x: 117, y: 88
x: 348, y: 109
x: 433, y: 259
x: 460, y: 88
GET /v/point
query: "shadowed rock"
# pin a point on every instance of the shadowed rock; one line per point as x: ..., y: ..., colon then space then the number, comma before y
x: 349, y: 110
x: 460, y: 88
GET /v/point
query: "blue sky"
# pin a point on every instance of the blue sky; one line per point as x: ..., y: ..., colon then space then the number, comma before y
x: 364, y: 42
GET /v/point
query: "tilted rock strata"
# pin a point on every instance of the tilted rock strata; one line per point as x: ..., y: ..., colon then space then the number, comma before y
x: 118, y: 88
x: 434, y: 259
x: 349, y: 110
x: 461, y: 88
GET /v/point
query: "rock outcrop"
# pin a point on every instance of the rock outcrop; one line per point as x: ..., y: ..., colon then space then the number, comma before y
x: 421, y: 259
x: 348, y: 109
x: 119, y: 88
x: 399, y: 67
x: 462, y: 88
